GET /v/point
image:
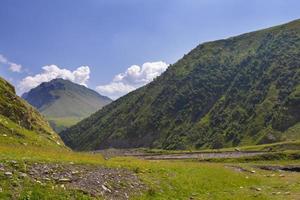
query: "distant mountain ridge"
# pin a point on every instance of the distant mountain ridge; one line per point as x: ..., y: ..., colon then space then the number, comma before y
x: 64, y: 103
x: 238, y: 91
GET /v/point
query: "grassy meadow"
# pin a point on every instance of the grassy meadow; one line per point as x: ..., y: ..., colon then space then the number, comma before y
x: 190, y: 179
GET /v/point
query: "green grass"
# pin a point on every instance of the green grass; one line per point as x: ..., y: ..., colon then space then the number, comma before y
x: 61, y: 123
x: 164, y: 179
x: 274, y: 147
x: 65, y: 121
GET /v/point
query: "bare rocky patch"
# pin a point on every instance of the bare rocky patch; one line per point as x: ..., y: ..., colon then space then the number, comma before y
x: 110, y: 183
x: 288, y: 168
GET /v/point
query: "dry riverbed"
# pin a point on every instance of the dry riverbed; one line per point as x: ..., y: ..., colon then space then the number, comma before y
x: 108, y: 153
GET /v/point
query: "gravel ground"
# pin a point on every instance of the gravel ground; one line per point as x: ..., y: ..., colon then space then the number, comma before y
x: 110, y: 183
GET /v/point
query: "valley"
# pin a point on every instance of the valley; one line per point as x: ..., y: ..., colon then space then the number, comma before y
x: 57, y: 174
x: 221, y: 123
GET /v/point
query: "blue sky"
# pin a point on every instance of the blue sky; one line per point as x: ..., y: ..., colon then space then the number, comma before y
x: 114, y: 38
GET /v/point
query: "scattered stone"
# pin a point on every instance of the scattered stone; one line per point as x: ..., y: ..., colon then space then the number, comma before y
x: 287, y: 193
x: 14, y: 162
x: 74, y: 172
x: 46, y: 179
x: 23, y: 175
x: 256, y: 188
x: 9, y: 174
x: 105, y: 188
x: 270, y: 175
x: 281, y: 175
x: 252, y: 171
x: 64, y: 180
x: 4, y: 135
x: 1, y: 190
x: 126, y: 195
x: 92, y: 180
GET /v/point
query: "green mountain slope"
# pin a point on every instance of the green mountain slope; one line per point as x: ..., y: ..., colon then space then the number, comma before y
x: 238, y: 91
x: 20, y: 123
x: 64, y: 103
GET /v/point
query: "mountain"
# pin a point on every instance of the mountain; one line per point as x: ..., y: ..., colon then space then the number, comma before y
x: 20, y: 123
x: 64, y: 103
x: 231, y: 92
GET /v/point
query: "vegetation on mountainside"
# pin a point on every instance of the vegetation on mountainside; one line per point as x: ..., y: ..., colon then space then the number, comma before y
x: 65, y: 103
x: 239, y: 91
x: 20, y: 123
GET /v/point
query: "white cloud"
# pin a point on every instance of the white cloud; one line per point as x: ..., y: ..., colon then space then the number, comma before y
x: 81, y: 75
x: 133, y: 78
x: 12, y: 66
x: 15, y: 67
x: 3, y: 59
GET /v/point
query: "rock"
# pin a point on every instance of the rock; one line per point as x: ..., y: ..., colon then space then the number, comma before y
x: 23, y: 175
x: 46, y: 179
x: 257, y: 189
x: 252, y: 171
x: 1, y: 190
x: 8, y: 174
x: 105, y: 188
x: 64, y: 180
x: 237, y: 149
x: 126, y: 195
x: 74, y: 172
x: 281, y: 175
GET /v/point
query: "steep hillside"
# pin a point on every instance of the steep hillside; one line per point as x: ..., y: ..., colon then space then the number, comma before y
x: 20, y: 123
x: 64, y: 103
x: 238, y: 91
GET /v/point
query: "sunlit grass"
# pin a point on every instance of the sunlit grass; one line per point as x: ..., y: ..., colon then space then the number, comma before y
x: 172, y: 179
